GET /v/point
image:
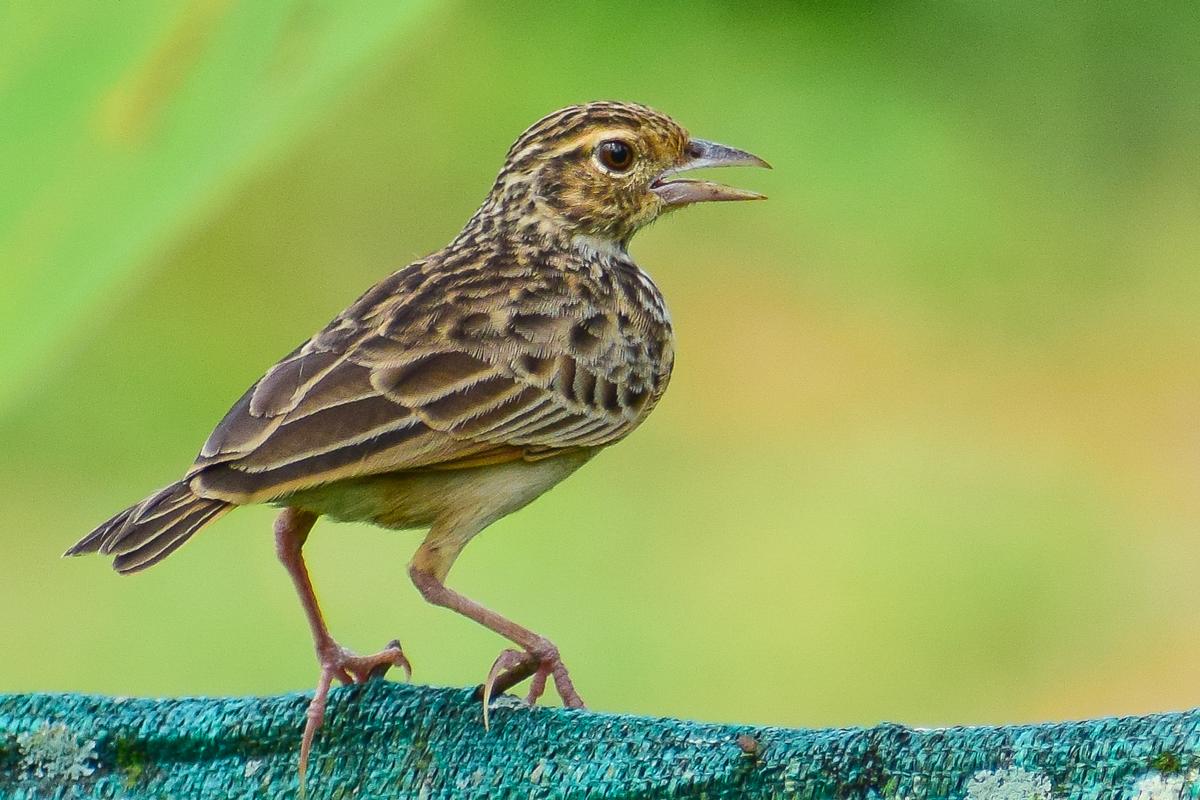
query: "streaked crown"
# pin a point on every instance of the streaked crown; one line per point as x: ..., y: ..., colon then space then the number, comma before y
x: 588, y: 168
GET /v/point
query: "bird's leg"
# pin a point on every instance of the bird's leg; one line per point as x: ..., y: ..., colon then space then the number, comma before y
x: 540, y: 657
x: 291, y: 531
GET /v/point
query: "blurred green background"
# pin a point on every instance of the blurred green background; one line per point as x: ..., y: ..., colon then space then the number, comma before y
x: 931, y: 453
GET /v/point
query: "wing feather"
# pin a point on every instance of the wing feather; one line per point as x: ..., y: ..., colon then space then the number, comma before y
x: 417, y: 376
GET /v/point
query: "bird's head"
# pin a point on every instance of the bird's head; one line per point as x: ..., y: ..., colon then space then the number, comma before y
x: 604, y: 170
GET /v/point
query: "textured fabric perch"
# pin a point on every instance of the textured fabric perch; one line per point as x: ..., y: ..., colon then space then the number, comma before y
x: 392, y: 740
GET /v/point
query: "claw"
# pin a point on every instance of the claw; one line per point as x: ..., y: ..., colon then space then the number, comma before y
x: 508, y: 662
x: 315, y: 715
x: 512, y: 666
x: 338, y: 663
x: 398, y: 660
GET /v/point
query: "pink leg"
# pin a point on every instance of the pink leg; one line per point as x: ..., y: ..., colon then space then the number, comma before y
x: 540, y: 659
x: 337, y: 663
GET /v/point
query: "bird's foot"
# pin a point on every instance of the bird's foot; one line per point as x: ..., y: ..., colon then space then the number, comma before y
x: 338, y: 663
x: 349, y: 667
x: 513, y: 666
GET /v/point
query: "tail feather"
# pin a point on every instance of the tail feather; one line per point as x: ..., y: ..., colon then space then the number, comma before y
x: 144, y: 534
x: 101, y: 534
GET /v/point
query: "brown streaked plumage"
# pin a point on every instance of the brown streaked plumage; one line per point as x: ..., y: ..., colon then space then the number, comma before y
x: 461, y: 387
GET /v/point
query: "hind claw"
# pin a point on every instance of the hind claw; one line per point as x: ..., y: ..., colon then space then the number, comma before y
x: 338, y: 663
x: 512, y: 666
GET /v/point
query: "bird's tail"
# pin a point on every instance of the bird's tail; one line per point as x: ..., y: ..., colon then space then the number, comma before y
x: 144, y: 534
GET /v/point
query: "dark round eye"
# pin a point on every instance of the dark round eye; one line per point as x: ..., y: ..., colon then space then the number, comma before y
x: 615, y: 155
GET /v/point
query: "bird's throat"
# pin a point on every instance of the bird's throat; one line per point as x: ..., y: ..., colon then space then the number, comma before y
x: 591, y: 247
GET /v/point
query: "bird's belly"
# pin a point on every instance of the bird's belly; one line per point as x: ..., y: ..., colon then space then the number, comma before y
x: 417, y: 499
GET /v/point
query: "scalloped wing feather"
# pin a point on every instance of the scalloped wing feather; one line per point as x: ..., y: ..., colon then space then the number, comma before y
x: 408, y: 380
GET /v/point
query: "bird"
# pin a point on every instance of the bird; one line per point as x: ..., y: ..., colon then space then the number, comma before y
x: 462, y: 386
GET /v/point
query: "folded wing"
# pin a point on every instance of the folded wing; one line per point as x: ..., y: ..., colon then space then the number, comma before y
x: 369, y: 398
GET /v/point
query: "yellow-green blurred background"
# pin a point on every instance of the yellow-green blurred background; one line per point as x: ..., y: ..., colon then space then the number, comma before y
x: 932, y: 449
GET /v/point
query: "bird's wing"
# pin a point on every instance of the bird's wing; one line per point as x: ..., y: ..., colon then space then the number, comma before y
x: 400, y: 382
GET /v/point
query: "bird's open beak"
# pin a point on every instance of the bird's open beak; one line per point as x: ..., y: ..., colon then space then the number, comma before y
x: 701, y: 154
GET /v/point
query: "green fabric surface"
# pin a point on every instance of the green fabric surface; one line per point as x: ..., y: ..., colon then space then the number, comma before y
x: 395, y: 740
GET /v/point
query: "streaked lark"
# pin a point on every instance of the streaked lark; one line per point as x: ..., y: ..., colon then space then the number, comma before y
x: 461, y: 387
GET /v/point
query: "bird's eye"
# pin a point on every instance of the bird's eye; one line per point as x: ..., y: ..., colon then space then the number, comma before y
x: 615, y: 155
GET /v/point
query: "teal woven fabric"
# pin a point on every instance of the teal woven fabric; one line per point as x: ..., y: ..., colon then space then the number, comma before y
x: 399, y: 741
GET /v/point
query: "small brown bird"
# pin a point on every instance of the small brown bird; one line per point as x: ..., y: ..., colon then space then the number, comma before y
x: 464, y: 385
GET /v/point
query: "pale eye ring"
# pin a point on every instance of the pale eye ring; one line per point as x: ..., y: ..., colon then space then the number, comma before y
x: 615, y: 155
